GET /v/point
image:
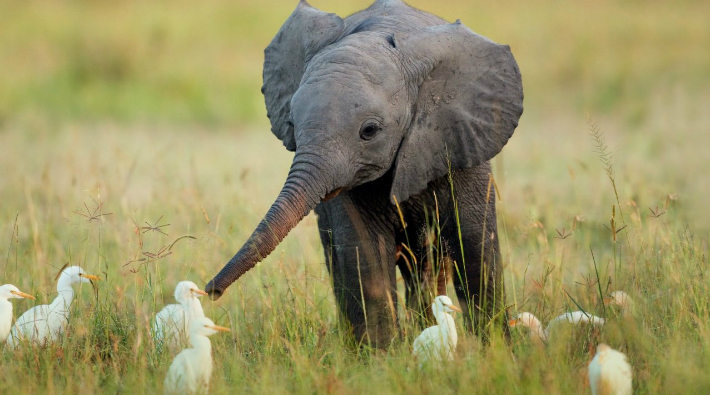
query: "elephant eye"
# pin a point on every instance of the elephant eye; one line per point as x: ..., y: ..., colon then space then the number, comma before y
x: 369, y: 130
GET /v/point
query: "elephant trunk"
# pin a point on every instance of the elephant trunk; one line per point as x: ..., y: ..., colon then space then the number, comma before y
x: 306, y: 185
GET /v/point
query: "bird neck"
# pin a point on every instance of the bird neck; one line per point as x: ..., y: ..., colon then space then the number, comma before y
x: 64, y: 282
x: 194, y: 308
x: 5, y: 317
x: 536, y: 330
x: 5, y: 307
x: 65, y: 295
x: 201, y: 344
x: 445, y: 321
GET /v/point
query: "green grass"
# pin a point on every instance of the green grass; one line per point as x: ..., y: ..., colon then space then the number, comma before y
x: 154, y: 108
x: 285, y: 335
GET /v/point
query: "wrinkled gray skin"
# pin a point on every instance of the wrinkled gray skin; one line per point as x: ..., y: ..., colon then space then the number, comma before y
x: 378, y: 107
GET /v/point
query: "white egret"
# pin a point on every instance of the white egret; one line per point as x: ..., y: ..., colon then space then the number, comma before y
x: 172, y: 323
x: 191, y: 369
x: 528, y: 320
x: 438, y: 342
x: 8, y: 291
x: 576, y: 317
x: 537, y: 332
x: 45, y: 323
x: 610, y: 372
x: 621, y: 299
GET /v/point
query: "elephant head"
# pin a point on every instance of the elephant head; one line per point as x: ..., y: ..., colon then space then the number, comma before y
x: 358, y: 102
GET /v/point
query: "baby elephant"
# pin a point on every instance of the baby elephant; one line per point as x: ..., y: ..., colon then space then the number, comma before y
x: 393, y: 115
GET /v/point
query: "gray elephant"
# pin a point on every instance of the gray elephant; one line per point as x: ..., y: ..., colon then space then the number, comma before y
x: 393, y: 115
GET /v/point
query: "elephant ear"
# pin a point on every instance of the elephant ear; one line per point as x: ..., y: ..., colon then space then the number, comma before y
x: 304, y: 33
x: 469, y: 100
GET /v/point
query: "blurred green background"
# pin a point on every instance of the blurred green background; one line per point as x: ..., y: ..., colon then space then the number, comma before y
x: 194, y: 62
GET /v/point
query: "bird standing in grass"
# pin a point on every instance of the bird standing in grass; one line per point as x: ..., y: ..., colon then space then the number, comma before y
x: 45, y: 323
x: 438, y: 342
x: 191, y: 369
x: 610, y: 373
x: 172, y: 323
x: 528, y: 320
x: 621, y: 299
x: 8, y: 291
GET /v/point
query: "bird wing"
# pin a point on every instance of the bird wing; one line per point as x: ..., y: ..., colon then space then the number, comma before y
x: 37, y: 324
x: 419, y: 344
x: 594, y: 373
x: 430, y: 343
x: 181, y: 375
x: 576, y: 317
x: 5, y: 319
x: 57, y: 318
x: 616, y: 374
x: 169, y: 325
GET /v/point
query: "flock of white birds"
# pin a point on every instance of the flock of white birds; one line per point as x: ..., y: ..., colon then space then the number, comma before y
x: 609, y: 371
x: 45, y: 323
x: 185, y: 323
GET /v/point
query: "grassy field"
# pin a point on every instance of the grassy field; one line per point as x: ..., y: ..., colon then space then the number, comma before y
x: 153, y: 111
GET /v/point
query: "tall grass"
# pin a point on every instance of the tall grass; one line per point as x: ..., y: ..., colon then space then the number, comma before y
x: 285, y: 333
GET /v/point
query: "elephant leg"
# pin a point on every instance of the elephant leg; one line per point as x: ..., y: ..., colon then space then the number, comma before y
x: 478, y: 279
x: 417, y: 288
x: 433, y: 277
x: 360, y: 256
x: 410, y: 265
x: 426, y: 273
x: 404, y: 263
x: 477, y: 268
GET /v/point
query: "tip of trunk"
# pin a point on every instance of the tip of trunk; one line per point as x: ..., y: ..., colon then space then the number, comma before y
x: 213, y: 291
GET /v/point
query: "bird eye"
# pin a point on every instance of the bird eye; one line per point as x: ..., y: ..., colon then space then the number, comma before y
x: 369, y: 129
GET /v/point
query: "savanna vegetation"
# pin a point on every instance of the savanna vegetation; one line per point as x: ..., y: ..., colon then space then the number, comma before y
x: 119, y: 117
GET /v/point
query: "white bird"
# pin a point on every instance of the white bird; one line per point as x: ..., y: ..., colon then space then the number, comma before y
x: 610, y: 372
x: 45, y: 323
x: 172, y: 323
x: 8, y: 291
x: 191, y: 369
x: 528, y: 320
x: 621, y: 299
x: 576, y: 317
x: 438, y: 342
x: 537, y: 332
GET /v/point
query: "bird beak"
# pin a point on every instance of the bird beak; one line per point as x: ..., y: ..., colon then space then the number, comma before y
x: 22, y: 295
x: 199, y: 292
x: 90, y: 276
x: 218, y: 328
x: 608, y: 300
x: 512, y: 323
x: 454, y: 308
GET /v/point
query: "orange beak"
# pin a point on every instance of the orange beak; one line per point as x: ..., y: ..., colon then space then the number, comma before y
x: 22, y: 294
x: 199, y: 292
x: 454, y: 308
x: 512, y: 323
x: 90, y: 276
x: 218, y: 328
